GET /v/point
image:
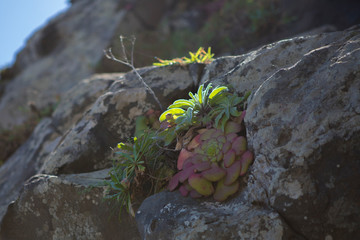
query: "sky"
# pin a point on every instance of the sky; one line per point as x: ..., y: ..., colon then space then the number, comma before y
x: 19, y: 19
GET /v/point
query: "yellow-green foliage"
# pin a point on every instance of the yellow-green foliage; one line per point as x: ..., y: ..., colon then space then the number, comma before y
x: 201, y: 56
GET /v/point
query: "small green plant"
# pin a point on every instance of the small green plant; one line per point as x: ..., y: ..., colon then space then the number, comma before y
x: 201, y: 56
x: 213, y: 157
x: 139, y: 166
x: 203, y: 107
x: 207, y: 128
x: 135, y: 165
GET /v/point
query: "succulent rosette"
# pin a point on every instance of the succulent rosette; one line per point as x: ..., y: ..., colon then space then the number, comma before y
x: 212, y: 162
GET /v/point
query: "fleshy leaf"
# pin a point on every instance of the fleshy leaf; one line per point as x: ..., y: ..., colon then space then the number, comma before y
x: 202, y: 166
x: 215, y: 173
x: 246, y: 159
x: 186, y: 173
x: 184, y: 154
x: 195, y: 159
x: 174, y: 182
x: 194, y: 142
x: 223, y: 191
x: 233, y: 173
x: 229, y: 158
x: 201, y: 185
x: 231, y: 137
x: 232, y: 127
x: 183, y: 191
x: 239, y: 145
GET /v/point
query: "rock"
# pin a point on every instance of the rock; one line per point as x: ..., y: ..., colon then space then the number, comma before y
x: 22, y: 164
x: 29, y: 158
x: 168, y: 215
x: 247, y: 72
x: 57, y: 56
x: 65, y: 207
x: 70, y: 46
x: 303, y: 126
x: 69, y: 142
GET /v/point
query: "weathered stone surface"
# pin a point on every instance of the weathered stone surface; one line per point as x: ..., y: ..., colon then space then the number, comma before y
x: 168, y: 215
x: 29, y: 158
x: 303, y: 125
x: 86, y: 146
x: 51, y: 207
x: 22, y: 164
x: 59, y: 55
x: 247, y: 72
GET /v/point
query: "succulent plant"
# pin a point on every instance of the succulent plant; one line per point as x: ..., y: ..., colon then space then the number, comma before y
x: 212, y: 162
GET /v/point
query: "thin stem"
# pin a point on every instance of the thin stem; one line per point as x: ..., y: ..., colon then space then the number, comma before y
x: 108, y: 53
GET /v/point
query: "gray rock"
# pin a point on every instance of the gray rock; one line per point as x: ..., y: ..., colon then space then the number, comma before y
x: 303, y: 126
x: 168, y: 215
x: 29, y: 158
x: 247, y: 72
x: 59, y: 55
x: 72, y: 142
x: 86, y: 146
x: 51, y: 207
x: 22, y: 164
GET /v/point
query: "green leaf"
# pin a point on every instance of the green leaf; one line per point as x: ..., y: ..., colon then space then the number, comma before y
x: 141, y: 168
x: 193, y: 57
x: 182, y: 103
x: 193, y: 97
x: 217, y: 90
x: 168, y: 135
x: 227, y: 112
x: 234, y: 112
x: 217, y: 119
x: 206, y: 93
x: 200, y: 94
x: 173, y: 111
x: 223, y: 123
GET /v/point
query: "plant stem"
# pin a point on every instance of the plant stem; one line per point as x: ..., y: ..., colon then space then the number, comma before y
x: 108, y: 53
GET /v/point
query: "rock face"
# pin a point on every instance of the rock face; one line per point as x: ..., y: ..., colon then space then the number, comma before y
x: 58, y: 56
x: 70, y: 47
x: 303, y: 125
x: 53, y: 207
x: 94, y: 116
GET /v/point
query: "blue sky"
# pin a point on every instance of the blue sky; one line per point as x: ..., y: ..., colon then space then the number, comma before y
x: 19, y: 19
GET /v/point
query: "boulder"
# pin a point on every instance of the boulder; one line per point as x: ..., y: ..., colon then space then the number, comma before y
x: 65, y: 207
x: 303, y: 126
x: 29, y: 158
x: 168, y: 215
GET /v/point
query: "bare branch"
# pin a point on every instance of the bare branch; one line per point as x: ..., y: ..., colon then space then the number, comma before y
x: 108, y: 53
x: 123, y: 48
